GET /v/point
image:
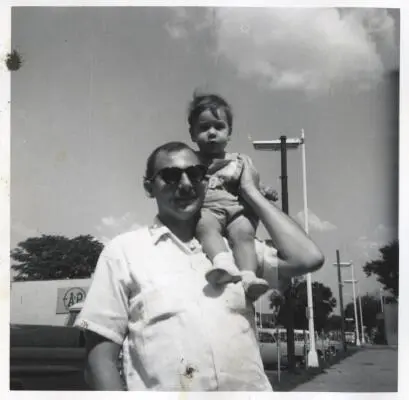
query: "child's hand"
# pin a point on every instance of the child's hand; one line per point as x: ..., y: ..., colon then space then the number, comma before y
x: 269, y: 193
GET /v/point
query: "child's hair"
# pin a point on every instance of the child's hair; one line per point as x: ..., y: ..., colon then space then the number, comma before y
x: 212, y: 102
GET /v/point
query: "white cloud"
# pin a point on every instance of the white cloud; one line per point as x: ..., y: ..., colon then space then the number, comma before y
x: 112, y: 226
x: 21, y: 231
x: 176, y: 31
x: 188, y: 21
x: 314, y: 222
x: 309, y: 49
x: 381, y: 235
x: 385, y: 233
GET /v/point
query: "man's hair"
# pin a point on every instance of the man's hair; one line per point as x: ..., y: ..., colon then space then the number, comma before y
x: 211, y: 102
x: 167, y: 148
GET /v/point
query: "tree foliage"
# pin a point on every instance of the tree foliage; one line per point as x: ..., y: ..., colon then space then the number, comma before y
x: 323, y: 304
x: 55, y: 257
x: 334, y: 322
x: 386, y: 268
x: 371, y: 306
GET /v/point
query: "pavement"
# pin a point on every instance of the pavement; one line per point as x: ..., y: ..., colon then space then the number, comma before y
x: 372, y: 369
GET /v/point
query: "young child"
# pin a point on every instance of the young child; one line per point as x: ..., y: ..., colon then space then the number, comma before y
x: 224, y: 213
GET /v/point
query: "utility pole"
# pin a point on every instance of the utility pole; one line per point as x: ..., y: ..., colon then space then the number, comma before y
x: 289, y: 297
x: 341, y: 303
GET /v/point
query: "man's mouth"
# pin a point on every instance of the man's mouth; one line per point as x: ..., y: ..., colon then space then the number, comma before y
x: 185, y: 200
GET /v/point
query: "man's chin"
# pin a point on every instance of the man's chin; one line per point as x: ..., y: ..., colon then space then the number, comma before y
x: 187, y: 209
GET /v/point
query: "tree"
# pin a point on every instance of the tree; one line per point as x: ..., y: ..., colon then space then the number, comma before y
x: 386, y: 267
x: 334, y: 323
x: 371, y: 306
x: 55, y: 257
x: 323, y: 304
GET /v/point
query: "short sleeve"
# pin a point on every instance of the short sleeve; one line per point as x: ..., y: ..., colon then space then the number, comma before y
x: 105, y: 309
x: 267, y: 260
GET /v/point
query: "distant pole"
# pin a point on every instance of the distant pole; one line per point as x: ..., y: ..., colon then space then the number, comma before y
x: 362, y: 320
x: 358, y: 342
x: 289, y: 299
x: 381, y: 295
x: 341, y: 303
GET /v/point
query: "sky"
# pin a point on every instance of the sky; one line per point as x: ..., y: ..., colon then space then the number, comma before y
x: 100, y: 88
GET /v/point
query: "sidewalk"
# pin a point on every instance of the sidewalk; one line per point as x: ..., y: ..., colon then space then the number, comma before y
x: 373, y: 369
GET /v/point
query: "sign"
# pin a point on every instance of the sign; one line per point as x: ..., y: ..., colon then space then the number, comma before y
x: 67, y: 297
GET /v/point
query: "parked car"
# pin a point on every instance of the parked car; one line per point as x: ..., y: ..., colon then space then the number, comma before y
x: 46, y: 358
x: 273, y: 342
x: 271, y: 349
x: 350, y: 337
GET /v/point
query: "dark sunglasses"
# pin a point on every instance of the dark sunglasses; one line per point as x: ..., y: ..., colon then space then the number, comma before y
x: 172, y: 175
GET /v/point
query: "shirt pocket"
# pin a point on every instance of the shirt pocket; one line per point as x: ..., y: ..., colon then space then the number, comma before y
x: 161, y: 305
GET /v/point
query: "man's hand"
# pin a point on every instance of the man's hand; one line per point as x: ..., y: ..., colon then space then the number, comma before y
x: 250, y: 178
x: 269, y: 193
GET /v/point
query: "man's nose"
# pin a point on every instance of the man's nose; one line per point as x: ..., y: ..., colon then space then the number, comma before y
x: 185, y: 183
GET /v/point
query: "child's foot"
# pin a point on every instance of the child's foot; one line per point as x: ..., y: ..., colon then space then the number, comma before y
x: 224, y: 270
x: 222, y: 276
x: 254, y: 287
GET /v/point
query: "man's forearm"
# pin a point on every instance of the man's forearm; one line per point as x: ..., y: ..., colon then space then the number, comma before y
x: 290, y: 240
x: 102, y: 371
x: 103, y: 376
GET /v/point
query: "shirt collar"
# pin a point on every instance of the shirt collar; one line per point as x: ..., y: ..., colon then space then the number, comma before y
x: 158, y: 230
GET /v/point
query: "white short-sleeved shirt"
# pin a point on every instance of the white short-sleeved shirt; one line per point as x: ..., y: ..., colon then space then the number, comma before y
x: 179, y: 333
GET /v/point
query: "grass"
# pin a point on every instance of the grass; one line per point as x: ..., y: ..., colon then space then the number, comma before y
x: 290, y: 380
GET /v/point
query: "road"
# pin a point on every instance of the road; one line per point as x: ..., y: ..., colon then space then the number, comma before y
x: 373, y: 369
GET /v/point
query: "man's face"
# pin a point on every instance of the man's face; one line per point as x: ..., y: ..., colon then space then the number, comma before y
x: 182, y: 199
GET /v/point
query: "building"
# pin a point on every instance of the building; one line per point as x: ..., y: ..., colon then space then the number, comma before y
x: 45, y: 302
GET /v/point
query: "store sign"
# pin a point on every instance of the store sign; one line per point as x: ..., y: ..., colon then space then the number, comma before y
x: 67, y: 297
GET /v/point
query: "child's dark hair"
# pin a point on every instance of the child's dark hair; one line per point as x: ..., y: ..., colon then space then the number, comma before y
x: 212, y: 102
x: 169, y: 147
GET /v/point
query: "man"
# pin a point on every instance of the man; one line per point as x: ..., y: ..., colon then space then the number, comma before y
x: 149, y: 295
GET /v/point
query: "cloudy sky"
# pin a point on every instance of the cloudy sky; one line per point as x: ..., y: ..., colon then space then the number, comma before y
x: 101, y: 87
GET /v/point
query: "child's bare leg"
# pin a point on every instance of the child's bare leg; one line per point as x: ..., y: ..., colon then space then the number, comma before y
x: 241, y: 235
x: 209, y: 234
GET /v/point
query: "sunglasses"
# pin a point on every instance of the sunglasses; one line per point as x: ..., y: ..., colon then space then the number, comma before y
x: 172, y: 175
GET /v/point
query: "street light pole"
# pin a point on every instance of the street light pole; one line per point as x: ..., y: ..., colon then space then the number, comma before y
x: 282, y: 144
x: 312, y: 357
x: 361, y: 315
x: 341, y: 303
x: 289, y: 297
x: 284, y: 183
x: 381, y: 295
x: 358, y: 343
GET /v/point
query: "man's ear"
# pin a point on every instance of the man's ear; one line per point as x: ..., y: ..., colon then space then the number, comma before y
x: 147, y: 185
x: 192, y: 136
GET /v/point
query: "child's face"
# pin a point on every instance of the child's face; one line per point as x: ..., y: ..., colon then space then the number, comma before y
x: 211, y: 132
